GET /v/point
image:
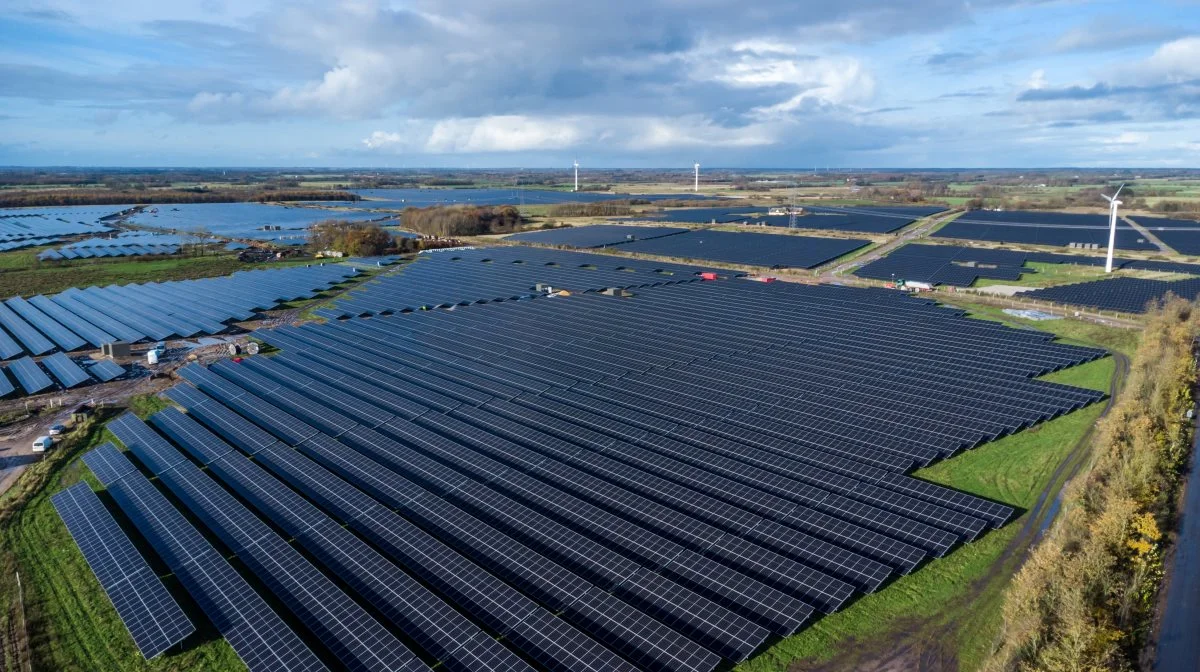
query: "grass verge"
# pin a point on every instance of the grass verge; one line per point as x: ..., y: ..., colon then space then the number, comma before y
x: 21, y: 273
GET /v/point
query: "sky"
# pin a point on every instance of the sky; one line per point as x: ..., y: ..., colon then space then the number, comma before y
x: 620, y: 83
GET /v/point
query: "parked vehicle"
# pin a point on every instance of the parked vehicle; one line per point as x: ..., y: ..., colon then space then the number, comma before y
x: 56, y: 430
x: 41, y: 443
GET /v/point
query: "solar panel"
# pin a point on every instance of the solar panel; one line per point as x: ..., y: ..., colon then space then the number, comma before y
x: 151, y: 615
x: 65, y: 370
x: 31, y: 378
x: 8, y: 347
x: 106, y: 370
x: 536, y: 632
x: 259, y: 637
x: 66, y: 339
x: 604, y: 617
x: 773, y: 251
x: 355, y: 637
x: 445, y: 634
x: 29, y: 337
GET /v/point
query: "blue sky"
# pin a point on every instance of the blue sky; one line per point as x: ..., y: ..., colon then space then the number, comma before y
x: 635, y: 83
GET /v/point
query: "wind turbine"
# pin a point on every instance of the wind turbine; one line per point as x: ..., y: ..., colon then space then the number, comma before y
x: 696, y: 188
x: 1113, y: 204
x: 576, y: 174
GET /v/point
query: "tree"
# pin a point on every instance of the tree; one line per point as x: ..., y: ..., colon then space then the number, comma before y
x: 357, y: 239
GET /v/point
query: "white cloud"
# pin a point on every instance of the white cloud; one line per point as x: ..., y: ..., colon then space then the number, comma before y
x: 516, y: 133
x: 1126, y: 138
x: 1175, y: 61
x: 1037, y: 79
x: 763, y: 64
x: 506, y: 133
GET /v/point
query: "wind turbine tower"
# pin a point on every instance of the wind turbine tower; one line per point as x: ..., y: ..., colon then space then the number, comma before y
x: 576, y: 174
x: 696, y: 187
x: 1113, y: 204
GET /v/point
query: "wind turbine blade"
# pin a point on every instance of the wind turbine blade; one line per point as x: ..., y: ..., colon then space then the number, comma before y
x: 1107, y: 197
x: 1119, y: 190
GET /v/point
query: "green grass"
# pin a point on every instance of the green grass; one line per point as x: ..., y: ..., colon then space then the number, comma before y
x: 1077, y: 332
x: 1013, y: 470
x: 22, y: 274
x: 71, y: 623
x: 1049, y: 275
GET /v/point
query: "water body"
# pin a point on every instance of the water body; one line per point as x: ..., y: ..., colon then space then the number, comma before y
x: 243, y: 220
x: 1178, y: 647
x: 420, y: 198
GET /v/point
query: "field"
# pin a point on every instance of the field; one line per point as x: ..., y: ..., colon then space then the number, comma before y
x: 21, y: 273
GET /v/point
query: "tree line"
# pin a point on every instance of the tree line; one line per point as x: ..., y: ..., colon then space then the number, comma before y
x: 461, y: 220
x: 1085, y: 598
x: 60, y: 197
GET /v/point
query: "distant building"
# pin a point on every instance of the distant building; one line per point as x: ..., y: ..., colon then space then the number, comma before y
x: 785, y: 210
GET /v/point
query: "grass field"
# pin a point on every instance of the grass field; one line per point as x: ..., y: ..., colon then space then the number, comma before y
x: 1012, y: 470
x: 1049, y: 275
x: 21, y: 274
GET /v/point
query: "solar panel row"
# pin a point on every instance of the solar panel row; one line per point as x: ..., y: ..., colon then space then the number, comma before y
x: 151, y: 615
x: 68, y: 374
x: 595, y: 236
x: 702, y: 245
x: 97, y: 315
x: 107, y: 251
x: 774, y: 251
x: 463, y: 277
x: 263, y: 641
x: 1042, y: 228
x: 354, y: 636
x: 1126, y: 295
x: 961, y: 266
x: 1181, y: 235
x: 862, y: 219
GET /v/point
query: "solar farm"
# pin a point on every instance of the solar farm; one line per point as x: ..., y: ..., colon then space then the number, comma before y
x: 849, y: 219
x: 632, y: 483
x: 125, y: 244
x: 586, y: 445
x: 697, y: 245
x: 278, y: 224
x: 1043, y: 228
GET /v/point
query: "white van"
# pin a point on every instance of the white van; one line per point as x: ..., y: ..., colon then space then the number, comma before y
x: 42, y: 443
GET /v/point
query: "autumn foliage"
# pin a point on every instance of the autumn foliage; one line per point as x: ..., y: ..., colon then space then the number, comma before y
x: 1084, y: 599
x: 449, y: 221
x: 356, y: 239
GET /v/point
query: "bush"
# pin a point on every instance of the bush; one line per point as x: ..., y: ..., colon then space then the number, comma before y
x: 356, y: 239
x: 450, y: 221
x: 1085, y: 597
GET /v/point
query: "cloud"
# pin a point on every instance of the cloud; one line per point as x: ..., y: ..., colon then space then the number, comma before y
x: 1109, y: 33
x: 518, y: 133
x: 953, y: 60
x: 1163, y: 86
x: 1037, y: 80
x: 1125, y: 138
x: 1175, y: 61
